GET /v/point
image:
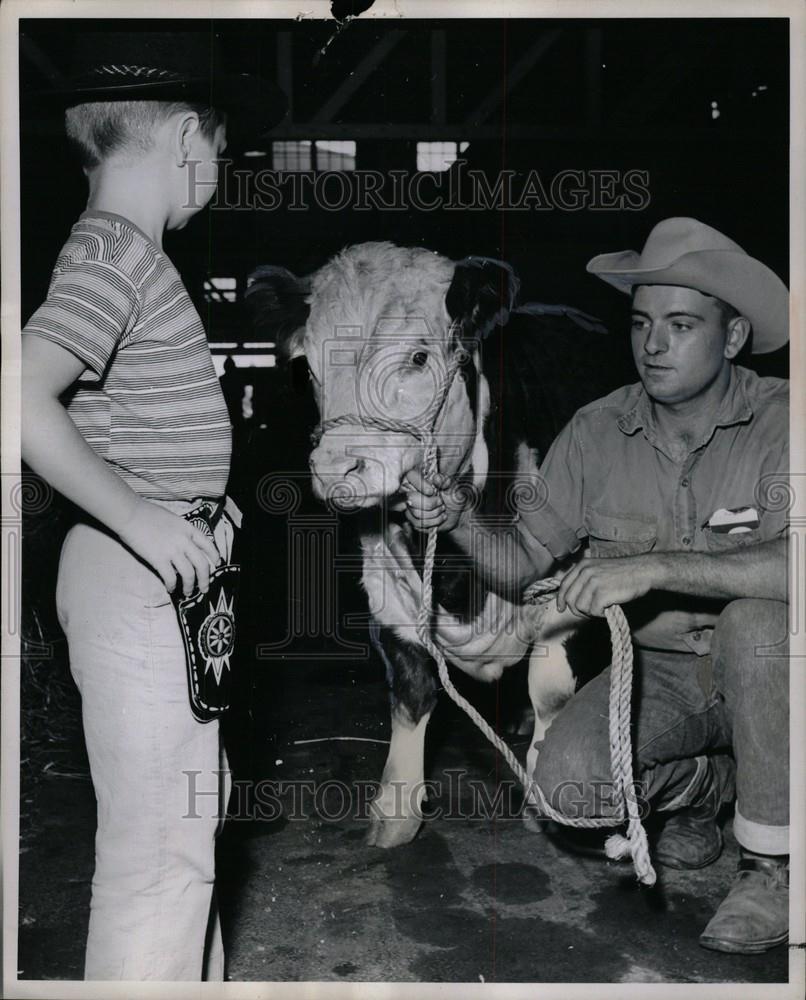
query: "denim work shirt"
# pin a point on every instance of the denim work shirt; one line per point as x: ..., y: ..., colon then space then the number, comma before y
x: 608, y: 479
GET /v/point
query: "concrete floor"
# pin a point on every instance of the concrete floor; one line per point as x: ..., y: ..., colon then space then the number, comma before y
x: 469, y: 900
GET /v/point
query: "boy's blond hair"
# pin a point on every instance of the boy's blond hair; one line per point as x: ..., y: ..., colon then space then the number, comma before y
x: 100, y: 128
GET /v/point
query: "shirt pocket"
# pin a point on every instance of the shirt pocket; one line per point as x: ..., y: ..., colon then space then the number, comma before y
x: 619, y: 534
x: 724, y: 541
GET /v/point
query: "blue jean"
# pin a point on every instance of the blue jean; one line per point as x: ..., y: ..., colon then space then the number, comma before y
x: 152, y: 911
x: 735, y: 701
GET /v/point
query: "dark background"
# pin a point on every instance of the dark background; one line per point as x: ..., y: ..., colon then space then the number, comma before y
x: 528, y: 94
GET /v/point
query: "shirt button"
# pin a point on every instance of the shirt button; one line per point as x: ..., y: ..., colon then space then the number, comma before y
x: 686, y: 540
x: 684, y: 482
x: 696, y: 636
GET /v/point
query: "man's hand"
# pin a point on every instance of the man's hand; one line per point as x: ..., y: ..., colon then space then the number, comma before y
x: 430, y: 506
x: 172, y: 546
x: 593, y: 585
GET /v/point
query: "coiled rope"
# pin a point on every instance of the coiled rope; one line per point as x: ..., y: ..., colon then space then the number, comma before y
x: 617, y: 846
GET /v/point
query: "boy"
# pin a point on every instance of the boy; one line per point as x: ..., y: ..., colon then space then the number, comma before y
x: 145, y: 433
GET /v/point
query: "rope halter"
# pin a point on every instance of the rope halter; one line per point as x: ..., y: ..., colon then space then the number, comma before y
x: 422, y: 429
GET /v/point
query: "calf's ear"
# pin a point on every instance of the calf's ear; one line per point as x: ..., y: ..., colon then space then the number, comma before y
x: 277, y: 302
x: 481, y: 295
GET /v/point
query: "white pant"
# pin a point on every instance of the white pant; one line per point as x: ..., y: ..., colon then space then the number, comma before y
x: 152, y: 913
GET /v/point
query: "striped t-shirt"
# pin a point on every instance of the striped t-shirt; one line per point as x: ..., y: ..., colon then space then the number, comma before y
x: 149, y: 402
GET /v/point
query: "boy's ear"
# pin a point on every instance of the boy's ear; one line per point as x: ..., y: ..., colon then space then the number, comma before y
x: 186, y: 127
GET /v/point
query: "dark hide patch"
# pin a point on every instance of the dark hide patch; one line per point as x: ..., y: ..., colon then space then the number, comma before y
x: 589, y: 650
x: 480, y: 297
x: 541, y: 370
x: 413, y: 674
x: 276, y: 300
x: 456, y: 585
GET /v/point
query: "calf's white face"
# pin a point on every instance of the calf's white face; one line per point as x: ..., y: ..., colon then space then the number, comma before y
x: 378, y: 342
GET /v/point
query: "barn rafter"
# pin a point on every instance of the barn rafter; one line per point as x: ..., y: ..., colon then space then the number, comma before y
x: 416, y: 80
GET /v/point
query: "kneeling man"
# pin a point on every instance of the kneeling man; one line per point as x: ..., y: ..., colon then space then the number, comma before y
x: 667, y: 480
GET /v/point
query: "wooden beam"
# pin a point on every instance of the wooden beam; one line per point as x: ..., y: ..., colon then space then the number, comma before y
x: 359, y: 75
x: 527, y: 61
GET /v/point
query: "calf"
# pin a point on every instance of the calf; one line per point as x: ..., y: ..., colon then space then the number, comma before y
x: 379, y: 326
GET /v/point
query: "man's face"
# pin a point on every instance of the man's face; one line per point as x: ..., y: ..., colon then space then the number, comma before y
x: 678, y: 341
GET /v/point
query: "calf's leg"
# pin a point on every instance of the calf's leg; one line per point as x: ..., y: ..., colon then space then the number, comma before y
x: 395, y: 814
x: 551, y: 678
x: 551, y: 684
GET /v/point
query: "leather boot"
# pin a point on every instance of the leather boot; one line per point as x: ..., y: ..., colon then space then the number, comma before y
x: 691, y: 837
x: 754, y: 916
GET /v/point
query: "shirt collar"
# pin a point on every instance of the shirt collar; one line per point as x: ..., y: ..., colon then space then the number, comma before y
x: 735, y: 408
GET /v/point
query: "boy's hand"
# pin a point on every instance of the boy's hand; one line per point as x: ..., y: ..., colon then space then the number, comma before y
x: 172, y: 546
x: 430, y: 506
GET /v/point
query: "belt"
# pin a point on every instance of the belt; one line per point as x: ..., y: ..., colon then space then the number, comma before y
x: 220, y: 514
x: 218, y: 505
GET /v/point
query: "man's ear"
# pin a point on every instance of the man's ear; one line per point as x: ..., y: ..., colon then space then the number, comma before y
x: 481, y: 295
x: 738, y: 331
x: 278, y: 303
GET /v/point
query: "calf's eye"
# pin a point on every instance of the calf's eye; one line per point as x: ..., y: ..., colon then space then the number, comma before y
x: 419, y: 359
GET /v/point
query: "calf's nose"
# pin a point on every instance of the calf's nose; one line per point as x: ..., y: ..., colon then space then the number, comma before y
x: 331, y: 464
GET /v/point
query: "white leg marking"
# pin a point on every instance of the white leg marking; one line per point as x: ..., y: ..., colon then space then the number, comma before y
x: 551, y: 684
x: 395, y: 815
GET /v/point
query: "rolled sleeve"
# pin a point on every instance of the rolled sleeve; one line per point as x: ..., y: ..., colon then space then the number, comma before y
x: 91, y: 306
x: 556, y: 521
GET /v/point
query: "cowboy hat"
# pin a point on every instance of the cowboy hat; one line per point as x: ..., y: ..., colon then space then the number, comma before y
x: 126, y: 65
x: 690, y: 254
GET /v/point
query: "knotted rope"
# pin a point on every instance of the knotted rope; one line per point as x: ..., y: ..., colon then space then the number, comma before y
x: 617, y: 846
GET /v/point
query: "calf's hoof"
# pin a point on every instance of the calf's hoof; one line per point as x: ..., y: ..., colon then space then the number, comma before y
x: 533, y: 821
x: 392, y: 832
